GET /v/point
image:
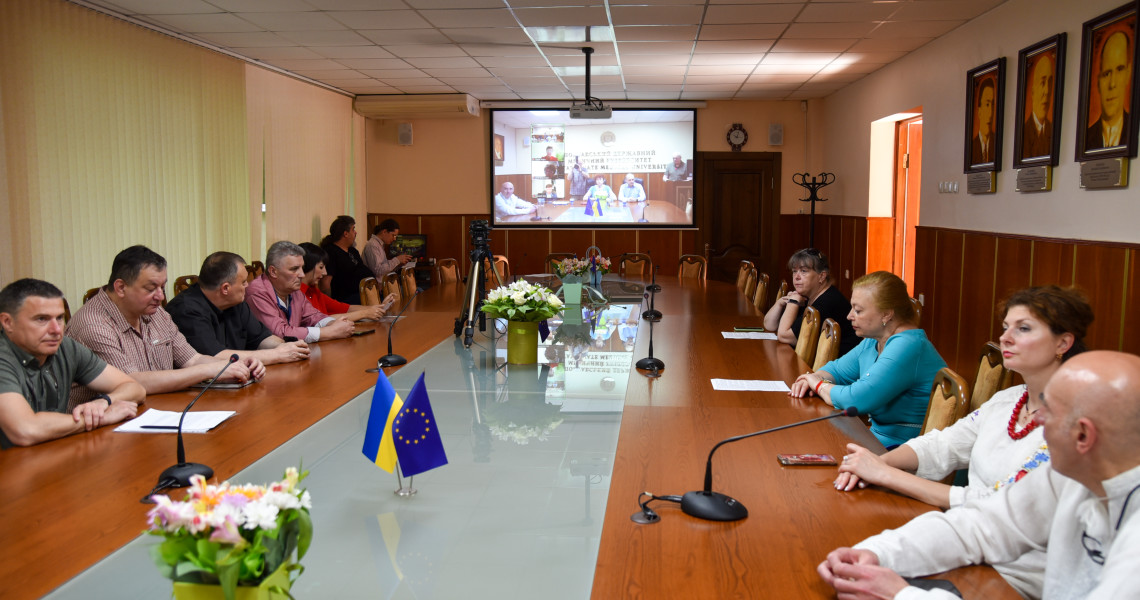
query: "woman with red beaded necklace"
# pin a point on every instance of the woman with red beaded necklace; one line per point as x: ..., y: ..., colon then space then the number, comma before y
x: 1000, y: 442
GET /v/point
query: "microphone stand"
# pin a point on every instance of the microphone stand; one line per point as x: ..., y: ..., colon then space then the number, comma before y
x: 179, y: 475
x: 652, y: 314
x: 390, y: 359
x: 714, y: 506
x: 653, y: 365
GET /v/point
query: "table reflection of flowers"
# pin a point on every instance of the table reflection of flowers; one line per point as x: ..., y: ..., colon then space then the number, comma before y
x: 522, y: 420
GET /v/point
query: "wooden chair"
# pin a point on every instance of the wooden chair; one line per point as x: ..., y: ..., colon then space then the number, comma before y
x: 809, y: 335
x: 635, y: 264
x: 746, y: 267
x: 447, y: 270
x: 502, y: 267
x: 781, y: 291
x: 183, y: 282
x: 918, y: 311
x: 90, y: 294
x: 250, y: 273
x: 992, y: 376
x: 554, y: 257
x: 369, y: 291
x: 949, y: 401
x: 392, y: 286
x: 408, y: 280
x: 693, y: 266
x: 258, y: 268
x: 66, y: 312
x: 750, y: 284
x: 760, y: 297
x: 827, y: 349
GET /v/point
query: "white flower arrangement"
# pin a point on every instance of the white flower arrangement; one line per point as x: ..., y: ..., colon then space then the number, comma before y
x: 522, y: 301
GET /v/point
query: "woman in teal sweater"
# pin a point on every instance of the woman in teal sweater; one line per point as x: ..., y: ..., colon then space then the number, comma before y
x: 889, y: 374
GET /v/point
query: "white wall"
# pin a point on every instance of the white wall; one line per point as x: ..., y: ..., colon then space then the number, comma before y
x: 934, y: 78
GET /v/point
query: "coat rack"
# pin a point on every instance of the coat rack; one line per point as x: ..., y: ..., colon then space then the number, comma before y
x: 817, y: 182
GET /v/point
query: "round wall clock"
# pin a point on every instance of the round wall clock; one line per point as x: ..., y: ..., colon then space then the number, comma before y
x: 737, y: 137
x: 608, y: 138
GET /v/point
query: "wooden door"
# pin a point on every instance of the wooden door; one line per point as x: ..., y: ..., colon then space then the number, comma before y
x: 908, y: 186
x: 738, y: 211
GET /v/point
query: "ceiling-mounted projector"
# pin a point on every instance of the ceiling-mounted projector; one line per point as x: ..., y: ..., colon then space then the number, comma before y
x: 590, y: 111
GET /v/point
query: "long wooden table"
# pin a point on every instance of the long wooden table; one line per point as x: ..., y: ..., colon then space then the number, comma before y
x: 70, y: 502
x: 795, y: 515
x: 653, y: 212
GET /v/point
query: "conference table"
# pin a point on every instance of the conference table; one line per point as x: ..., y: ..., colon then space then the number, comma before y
x: 566, y: 212
x: 545, y: 466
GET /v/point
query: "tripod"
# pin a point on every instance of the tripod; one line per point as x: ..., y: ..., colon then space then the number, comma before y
x: 476, y: 290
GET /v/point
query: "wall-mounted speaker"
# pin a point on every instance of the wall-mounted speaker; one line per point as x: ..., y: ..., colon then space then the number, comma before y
x: 404, y: 134
x: 775, y: 134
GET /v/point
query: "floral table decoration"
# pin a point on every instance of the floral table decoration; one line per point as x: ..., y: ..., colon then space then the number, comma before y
x: 575, y: 271
x: 233, y: 541
x: 524, y: 306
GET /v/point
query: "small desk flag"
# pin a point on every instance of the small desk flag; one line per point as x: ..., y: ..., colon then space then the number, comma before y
x: 404, y: 431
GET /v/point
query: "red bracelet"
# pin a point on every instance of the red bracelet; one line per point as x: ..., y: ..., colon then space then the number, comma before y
x: 817, y: 386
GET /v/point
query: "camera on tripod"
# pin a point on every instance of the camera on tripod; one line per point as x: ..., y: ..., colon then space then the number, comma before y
x: 480, y: 236
x: 476, y: 289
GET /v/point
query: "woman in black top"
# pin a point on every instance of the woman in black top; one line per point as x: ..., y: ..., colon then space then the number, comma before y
x: 811, y: 278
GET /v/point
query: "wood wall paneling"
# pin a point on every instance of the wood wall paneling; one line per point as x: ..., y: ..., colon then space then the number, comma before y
x: 1100, y: 273
x: 665, y: 247
x: 1052, y: 263
x: 571, y: 240
x: 527, y: 250
x: 976, y: 326
x: 945, y: 315
x: 1011, y: 273
x: 1130, y: 325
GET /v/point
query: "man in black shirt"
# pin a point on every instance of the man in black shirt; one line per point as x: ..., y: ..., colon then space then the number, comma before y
x: 346, y: 268
x: 215, y: 319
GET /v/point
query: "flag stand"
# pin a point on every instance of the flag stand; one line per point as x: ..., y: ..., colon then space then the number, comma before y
x: 404, y: 492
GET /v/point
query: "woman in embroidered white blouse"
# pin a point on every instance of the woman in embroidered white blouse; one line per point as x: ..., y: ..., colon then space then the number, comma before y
x: 999, y: 442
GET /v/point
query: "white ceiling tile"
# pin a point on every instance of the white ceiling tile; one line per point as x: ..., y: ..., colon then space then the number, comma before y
x: 655, y: 59
x: 511, y: 61
x: 561, y: 16
x: 472, y: 17
x: 758, y: 13
x: 245, y: 40
x: 828, y: 30
x: 373, y: 63
x: 726, y: 59
x: 357, y: 4
x: 310, y: 65
x: 707, y: 95
x: 880, y: 58
x: 370, y: 88
x: 720, y: 69
x: 396, y: 37
x: 425, y: 51
x: 450, y: 62
x: 496, y: 50
x: 787, y: 69
x: 262, y: 5
x: 324, y: 38
x: 647, y: 33
x: 488, y: 35
x: 427, y: 89
x: 451, y: 4
x: 712, y: 87
x: 545, y: 95
x: 631, y: 48
x: 292, y: 21
x: 492, y: 95
x: 914, y: 29
x: 742, y: 32
x: 531, y: 83
x: 410, y: 81
x: 772, y: 87
x: 632, y: 72
x: 207, y: 23
x: 846, y: 12
x: 732, y: 79
x: 469, y: 82
x: 862, y: 68
x: 942, y: 10
x: 319, y: 74
x: 518, y: 74
x: 799, y: 58
x: 578, y: 74
x: 158, y: 7
x: 655, y: 15
x: 747, y: 94
x: 889, y: 44
x: 663, y: 95
x: 340, y: 83
x: 734, y: 46
x: 782, y: 78
x: 379, y: 19
x: 580, y: 61
x: 459, y: 73
x: 661, y: 86
x: 813, y: 45
x: 394, y: 73
x: 352, y: 52
x: 280, y: 53
x: 838, y: 74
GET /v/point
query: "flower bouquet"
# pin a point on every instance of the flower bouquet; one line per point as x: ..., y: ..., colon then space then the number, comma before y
x: 233, y: 535
x: 523, y: 305
x: 582, y: 267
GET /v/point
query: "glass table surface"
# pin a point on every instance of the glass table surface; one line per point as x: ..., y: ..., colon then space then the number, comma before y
x: 517, y: 511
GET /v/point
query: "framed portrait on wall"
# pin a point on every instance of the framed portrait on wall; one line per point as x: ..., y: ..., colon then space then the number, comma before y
x: 498, y: 149
x: 985, y: 97
x: 1106, y: 127
x: 1040, y: 83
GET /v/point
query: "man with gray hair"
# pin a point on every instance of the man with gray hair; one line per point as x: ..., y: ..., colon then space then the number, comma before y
x: 1080, y: 508
x: 277, y: 301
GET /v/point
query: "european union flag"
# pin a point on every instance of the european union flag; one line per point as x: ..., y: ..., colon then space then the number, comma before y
x: 416, y: 434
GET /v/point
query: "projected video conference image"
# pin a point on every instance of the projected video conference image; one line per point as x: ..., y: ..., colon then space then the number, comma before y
x: 634, y: 169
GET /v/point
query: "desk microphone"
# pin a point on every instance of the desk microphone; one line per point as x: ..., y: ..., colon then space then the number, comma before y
x: 653, y: 287
x: 179, y: 475
x: 713, y: 506
x: 652, y: 314
x: 390, y: 359
x: 653, y: 365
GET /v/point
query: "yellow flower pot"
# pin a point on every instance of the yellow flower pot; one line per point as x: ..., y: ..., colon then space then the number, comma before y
x: 279, y: 579
x: 522, y: 342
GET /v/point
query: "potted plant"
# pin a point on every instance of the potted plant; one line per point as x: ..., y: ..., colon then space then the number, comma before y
x: 524, y: 306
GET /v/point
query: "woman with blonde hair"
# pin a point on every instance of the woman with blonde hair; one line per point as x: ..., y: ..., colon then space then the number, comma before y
x: 889, y: 374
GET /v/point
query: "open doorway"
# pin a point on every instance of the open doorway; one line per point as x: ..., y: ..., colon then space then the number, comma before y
x: 894, y: 194
x: 908, y: 186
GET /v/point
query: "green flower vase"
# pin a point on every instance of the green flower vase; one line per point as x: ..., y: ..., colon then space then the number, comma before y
x: 274, y: 587
x: 522, y: 342
x: 572, y: 290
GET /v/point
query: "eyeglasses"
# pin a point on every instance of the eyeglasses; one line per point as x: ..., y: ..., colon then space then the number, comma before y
x: 1092, y: 548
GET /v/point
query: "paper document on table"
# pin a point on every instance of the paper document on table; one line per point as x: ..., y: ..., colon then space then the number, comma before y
x: 748, y: 335
x: 165, y: 421
x: 749, y: 385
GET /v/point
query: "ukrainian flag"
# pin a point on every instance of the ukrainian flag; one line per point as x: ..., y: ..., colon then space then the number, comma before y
x: 404, y: 431
x: 386, y: 404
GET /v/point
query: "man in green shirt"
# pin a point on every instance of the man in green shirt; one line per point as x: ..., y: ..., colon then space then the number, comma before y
x: 38, y: 365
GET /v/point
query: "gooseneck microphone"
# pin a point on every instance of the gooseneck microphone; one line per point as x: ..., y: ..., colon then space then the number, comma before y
x: 714, y: 506
x: 649, y: 363
x: 390, y: 359
x: 179, y: 475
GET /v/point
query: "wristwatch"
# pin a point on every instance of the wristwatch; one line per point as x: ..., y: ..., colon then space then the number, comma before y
x: 793, y: 301
x: 104, y: 397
